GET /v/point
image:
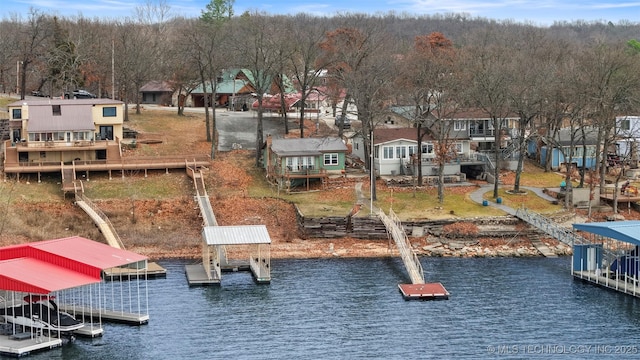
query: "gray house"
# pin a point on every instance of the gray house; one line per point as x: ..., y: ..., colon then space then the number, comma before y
x: 294, y: 162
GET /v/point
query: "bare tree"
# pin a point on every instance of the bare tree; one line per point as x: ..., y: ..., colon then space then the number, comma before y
x: 256, y: 52
x: 365, y: 72
x: 609, y: 81
x: 424, y: 73
x: 31, y: 42
x: 486, y: 62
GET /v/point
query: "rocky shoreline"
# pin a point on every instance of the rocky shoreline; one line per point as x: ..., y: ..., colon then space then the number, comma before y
x: 476, y: 249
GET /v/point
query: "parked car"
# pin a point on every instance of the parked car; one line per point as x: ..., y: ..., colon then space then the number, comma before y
x: 346, y: 122
x: 79, y: 94
x: 38, y: 93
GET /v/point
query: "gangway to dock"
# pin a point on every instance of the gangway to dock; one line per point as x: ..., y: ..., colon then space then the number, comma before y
x: 100, y: 219
x: 418, y: 289
x: 217, y: 238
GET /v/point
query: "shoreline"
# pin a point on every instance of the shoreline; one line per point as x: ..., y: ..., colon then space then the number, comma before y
x: 352, y: 248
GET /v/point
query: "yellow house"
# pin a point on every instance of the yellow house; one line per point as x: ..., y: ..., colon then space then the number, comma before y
x: 53, y: 132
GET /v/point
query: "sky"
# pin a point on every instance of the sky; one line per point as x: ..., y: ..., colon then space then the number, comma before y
x: 536, y: 12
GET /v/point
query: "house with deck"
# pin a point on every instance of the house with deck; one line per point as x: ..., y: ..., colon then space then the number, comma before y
x: 396, y: 150
x: 296, y: 162
x: 57, y: 131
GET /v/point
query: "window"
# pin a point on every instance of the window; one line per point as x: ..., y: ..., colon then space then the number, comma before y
x: 413, y: 149
x: 109, y: 111
x: 459, y: 125
x: 401, y: 152
x: 625, y: 124
x: 427, y: 148
x: 56, y: 110
x: 387, y: 152
x: 331, y: 159
x: 457, y: 147
x: 17, y: 114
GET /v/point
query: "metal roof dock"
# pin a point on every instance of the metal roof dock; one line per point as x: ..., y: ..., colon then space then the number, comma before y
x: 607, y: 255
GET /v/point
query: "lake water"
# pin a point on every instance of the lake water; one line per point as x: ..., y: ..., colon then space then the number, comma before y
x: 351, y: 309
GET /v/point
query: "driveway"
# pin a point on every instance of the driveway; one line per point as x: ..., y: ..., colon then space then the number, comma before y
x: 237, y: 129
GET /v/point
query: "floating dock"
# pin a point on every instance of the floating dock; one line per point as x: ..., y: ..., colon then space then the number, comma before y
x: 25, y: 343
x: 106, y: 315
x: 430, y: 291
x: 627, y: 287
x: 153, y: 271
x: 197, y: 276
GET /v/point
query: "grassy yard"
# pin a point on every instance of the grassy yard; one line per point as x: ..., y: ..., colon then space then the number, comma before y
x: 186, y: 135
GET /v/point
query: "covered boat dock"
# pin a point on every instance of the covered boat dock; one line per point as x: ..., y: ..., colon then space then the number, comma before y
x: 232, y: 248
x: 607, y: 255
x: 71, y: 270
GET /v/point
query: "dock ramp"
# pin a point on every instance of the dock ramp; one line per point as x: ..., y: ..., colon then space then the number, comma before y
x: 409, y: 257
x: 418, y: 289
x: 100, y: 219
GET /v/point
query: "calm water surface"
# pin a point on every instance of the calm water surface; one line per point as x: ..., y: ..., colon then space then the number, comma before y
x: 351, y: 309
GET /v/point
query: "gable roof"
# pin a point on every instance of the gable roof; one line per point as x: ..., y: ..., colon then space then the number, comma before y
x: 386, y: 135
x: 307, y: 146
x: 156, y: 86
x: 236, y: 235
x: 591, y: 136
x: 39, y: 277
x: 46, y: 266
x: 273, y: 102
x: 77, y: 117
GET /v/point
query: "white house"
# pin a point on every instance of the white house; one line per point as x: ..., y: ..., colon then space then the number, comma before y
x: 396, y: 149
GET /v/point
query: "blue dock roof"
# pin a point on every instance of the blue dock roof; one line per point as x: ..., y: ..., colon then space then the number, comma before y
x: 627, y: 231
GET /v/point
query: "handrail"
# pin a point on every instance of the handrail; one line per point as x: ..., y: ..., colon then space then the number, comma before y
x: 86, y: 200
x: 409, y: 257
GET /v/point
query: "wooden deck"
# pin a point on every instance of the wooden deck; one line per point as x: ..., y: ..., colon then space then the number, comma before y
x: 429, y: 291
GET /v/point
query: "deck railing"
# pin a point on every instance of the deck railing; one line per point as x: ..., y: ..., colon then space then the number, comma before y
x: 409, y: 257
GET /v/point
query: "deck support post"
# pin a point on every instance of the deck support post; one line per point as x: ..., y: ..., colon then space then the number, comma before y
x: 167, y: 171
x: 122, y: 171
x: 87, y: 174
x: 39, y: 177
x: 110, y: 178
x: 145, y: 172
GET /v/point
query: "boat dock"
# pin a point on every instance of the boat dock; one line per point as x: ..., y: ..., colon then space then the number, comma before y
x: 218, y: 243
x: 153, y: 271
x: 106, y: 315
x: 418, y: 289
x: 431, y: 291
x: 25, y: 343
x: 627, y: 287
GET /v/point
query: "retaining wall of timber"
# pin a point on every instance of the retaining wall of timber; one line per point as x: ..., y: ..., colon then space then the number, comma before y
x: 364, y: 227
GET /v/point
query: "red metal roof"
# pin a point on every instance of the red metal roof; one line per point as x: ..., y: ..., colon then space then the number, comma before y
x: 39, y: 277
x: 273, y: 102
x: 74, y: 253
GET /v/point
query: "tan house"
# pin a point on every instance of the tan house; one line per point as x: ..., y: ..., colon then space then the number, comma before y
x: 53, y: 132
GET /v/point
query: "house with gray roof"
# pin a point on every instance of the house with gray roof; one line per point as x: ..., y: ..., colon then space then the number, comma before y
x: 296, y: 162
x: 156, y: 92
x: 55, y: 131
